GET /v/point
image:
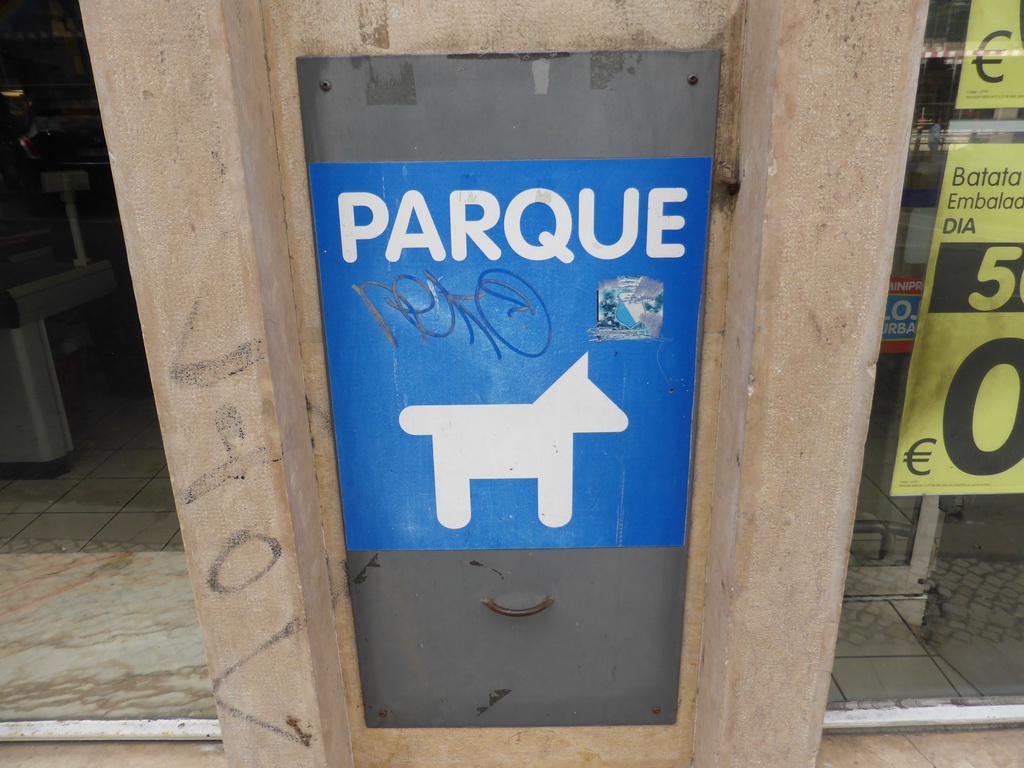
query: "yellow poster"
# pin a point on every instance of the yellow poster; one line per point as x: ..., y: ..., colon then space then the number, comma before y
x: 993, y: 70
x: 962, y: 429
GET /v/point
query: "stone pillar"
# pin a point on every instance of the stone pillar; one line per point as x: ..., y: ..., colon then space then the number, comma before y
x: 185, y: 97
x: 825, y: 113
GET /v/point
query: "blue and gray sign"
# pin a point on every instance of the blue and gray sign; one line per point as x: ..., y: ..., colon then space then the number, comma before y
x: 512, y: 348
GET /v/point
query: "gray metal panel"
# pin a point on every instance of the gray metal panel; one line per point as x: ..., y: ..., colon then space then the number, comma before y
x: 603, y: 104
x: 606, y: 652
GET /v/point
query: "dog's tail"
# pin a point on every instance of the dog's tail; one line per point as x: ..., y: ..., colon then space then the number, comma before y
x: 421, y: 419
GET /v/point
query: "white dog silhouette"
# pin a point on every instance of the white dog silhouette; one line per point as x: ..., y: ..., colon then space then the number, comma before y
x: 485, y: 442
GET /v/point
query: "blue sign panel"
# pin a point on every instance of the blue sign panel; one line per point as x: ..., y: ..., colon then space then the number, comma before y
x: 512, y: 348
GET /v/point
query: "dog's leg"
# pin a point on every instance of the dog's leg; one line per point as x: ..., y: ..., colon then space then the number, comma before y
x: 451, y: 490
x: 554, y: 491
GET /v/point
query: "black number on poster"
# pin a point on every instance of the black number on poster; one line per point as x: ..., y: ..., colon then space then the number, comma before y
x: 962, y: 399
x: 978, y: 277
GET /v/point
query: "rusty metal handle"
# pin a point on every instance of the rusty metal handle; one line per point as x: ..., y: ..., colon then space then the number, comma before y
x: 518, y: 612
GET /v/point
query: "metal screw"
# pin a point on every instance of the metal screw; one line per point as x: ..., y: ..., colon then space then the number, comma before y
x: 692, y: 80
x: 656, y: 710
x: 382, y: 712
x: 325, y: 85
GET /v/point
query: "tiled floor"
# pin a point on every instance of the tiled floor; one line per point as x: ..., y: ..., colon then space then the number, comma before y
x: 971, y: 639
x: 879, y: 656
x: 981, y: 749
x: 96, y: 548
x: 965, y: 636
x: 970, y: 642
x: 165, y: 754
x: 100, y: 636
x: 986, y: 749
x: 116, y: 497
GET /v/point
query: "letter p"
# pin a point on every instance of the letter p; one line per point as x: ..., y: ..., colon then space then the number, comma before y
x: 351, y: 232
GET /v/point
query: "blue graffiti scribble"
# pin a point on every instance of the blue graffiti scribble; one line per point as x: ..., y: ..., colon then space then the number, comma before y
x: 501, y: 299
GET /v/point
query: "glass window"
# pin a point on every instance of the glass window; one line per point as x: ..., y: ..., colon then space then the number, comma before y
x: 97, y: 619
x: 934, y: 604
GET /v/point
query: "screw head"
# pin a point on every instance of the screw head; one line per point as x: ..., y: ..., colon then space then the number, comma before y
x: 325, y: 85
x: 692, y: 79
x: 655, y: 710
x: 382, y: 713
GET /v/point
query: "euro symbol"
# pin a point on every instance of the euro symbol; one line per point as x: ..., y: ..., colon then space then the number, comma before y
x: 980, y: 61
x: 914, y: 455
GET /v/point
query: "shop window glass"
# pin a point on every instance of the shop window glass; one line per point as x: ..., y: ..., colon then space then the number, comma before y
x: 934, y: 604
x: 97, y: 619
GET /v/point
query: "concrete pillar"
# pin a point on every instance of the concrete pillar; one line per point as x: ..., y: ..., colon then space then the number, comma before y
x: 825, y: 113
x: 185, y: 98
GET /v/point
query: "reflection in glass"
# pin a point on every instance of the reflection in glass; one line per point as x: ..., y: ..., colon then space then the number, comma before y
x: 97, y: 619
x: 934, y: 603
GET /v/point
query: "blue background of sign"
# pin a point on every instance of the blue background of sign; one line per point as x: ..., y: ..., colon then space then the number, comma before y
x: 630, y: 487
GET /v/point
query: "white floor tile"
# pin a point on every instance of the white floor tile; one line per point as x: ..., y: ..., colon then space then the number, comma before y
x: 976, y: 623
x: 149, y: 437
x: 874, y: 629
x: 108, y: 434
x: 85, y: 460
x: 156, y: 496
x: 962, y: 685
x: 892, y: 677
x: 912, y: 613
x: 175, y: 544
x: 834, y: 694
x: 57, y: 532
x: 27, y: 496
x: 127, y: 462
x: 96, y: 495
x: 994, y: 668
x: 137, y: 530
x: 13, y: 524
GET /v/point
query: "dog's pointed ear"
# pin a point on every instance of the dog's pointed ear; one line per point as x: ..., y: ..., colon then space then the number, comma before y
x: 580, y: 369
x: 577, y: 373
